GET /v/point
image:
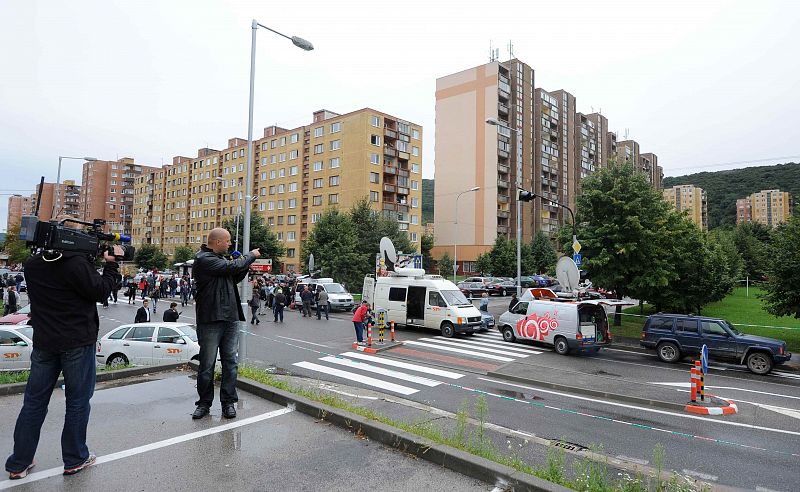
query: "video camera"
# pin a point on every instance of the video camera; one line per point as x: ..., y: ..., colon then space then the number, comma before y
x: 54, y: 236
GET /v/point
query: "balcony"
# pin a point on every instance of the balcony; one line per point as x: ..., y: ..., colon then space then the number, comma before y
x: 502, y: 108
x: 390, y: 151
x: 403, y: 173
x: 402, y: 191
x: 402, y: 208
x: 404, y: 155
x: 390, y: 206
x: 390, y: 169
x: 502, y: 229
x: 389, y: 133
x: 502, y: 168
x: 389, y: 188
x: 503, y: 198
x: 502, y: 153
x: 502, y: 214
x: 502, y: 183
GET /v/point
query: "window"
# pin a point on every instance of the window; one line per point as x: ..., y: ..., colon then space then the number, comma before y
x: 292, y: 154
x: 414, y: 185
x: 713, y: 328
x: 168, y: 335
x: 375, y: 159
x: 293, y: 203
x: 333, y: 181
x: 415, y: 203
x: 291, y: 219
x: 282, y: 172
x: 318, y: 183
x: 291, y: 236
x: 373, y: 196
x: 315, y: 218
x: 272, y: 174
x: 319, y: 131
x: 272, y: 190
x: 397, y: 294
x: 660, y: 324
x: 415, y: 134
x: 334, y: 163
x: 8, y: 338
x: 318, y: 166
x: 117, y: 335
x: 290, y: 252
x: 316, y: 200
x: 141, y: 333
x: 435, y: 299
x: 415, y: 151
x: 336, y: 144
x: 271, y: 205
x: 318, y: 148
x: 376, y: 121
x: 414, y: 240
x: 336, y: 127
x: 415, y: 168
x: 283, y: 141
x: 282, y: 157
x: 375, y: 140
x: 686, y: 326
x: 333, y: 199
x: 520, y: 308
x: 374, y: 177
x: 402, y: 146
x: 414, y: 220
x: 292, y: 187
x: 281, y: 204
x: 294, y: 138
x: 281, y: 188
x: 293, y: 171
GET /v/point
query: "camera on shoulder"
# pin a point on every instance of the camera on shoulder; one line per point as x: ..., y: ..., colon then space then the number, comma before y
x: 56, y: 237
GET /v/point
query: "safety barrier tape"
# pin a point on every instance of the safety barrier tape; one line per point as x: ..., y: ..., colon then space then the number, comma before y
x: 735, y: 324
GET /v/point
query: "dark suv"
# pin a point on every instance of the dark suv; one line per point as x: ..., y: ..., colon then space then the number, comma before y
x: 674, y: 336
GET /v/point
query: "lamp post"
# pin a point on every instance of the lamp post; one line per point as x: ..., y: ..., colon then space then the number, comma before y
x: 495, y: 122
x: 455, y: 242
x: 300, y: 43
x: 58, y: 180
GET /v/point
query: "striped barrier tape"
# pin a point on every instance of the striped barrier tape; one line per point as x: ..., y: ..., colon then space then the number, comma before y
x: 735, y: 324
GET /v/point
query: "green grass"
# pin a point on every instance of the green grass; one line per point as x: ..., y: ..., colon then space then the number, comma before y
x: 13, y: 377
x: 738, y: 308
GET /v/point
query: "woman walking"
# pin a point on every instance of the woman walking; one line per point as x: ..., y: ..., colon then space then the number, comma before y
x: 255, y: 303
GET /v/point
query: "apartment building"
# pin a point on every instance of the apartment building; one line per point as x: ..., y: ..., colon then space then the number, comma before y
x: 107, y: 192
x: 768, y: 207
x: 18, y: 206
x: 692, y: 199
x: 334, y: 161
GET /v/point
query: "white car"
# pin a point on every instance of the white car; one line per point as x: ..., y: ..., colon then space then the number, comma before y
x: 146, y: 344
x: 16, y: 343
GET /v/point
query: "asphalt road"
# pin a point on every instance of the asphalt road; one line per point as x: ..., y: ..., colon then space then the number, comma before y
x: 759, y: 447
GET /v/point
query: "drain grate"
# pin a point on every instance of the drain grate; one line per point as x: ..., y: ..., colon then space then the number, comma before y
x: 569, y: 446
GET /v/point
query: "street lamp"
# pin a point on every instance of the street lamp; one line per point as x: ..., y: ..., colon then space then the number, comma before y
x: 495, y: 122
x: 455, y: 243
x: 302, y: 44
x: 58, y: 180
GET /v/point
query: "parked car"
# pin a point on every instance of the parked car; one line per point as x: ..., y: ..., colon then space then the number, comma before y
x: 472, y: 288
x: 674, y: 336
x: 16, y: 343
x: 148, y: 344
x: 501, y: 287
x: 22, y: 315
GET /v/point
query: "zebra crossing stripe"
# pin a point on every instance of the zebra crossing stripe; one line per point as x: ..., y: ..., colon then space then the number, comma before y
x: 486, y: 336
x: 482, y: 349
x: 358, y: 378
x: 521, y: 350
x: 363, y: 366
x: 457, y: 350
x: 405, y: 365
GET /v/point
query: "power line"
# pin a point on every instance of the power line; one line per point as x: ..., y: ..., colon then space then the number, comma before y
x: 733, y: 163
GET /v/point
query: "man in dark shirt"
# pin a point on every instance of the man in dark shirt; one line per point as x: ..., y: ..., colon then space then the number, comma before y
x: 171, y: 314
x: 64, y: 287
x: 143, y: 313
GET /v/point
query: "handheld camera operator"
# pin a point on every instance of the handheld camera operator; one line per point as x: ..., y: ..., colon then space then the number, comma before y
x: 64, y: 285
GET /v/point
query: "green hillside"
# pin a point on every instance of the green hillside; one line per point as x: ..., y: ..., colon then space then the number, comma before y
x: 427, y: 200
x: 724, y: 187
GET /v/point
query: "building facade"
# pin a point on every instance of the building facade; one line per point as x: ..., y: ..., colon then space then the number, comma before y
x: 692, y: 199
x: 18, y: 206
x: 768, y: 207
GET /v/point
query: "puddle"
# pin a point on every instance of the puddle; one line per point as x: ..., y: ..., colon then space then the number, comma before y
x: 122, y: 382
x: 604, y: 373
x: 514, y: 394
x: 279, y: 371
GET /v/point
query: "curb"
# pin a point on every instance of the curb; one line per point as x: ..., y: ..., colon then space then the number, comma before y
x: 445, y: 456
x: 18, y: 388
x: 373, y: 349
x: 602, y: 394
x: 728, y: 409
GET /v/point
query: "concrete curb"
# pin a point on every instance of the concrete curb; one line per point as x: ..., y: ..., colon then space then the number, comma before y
x: 589, y: 392
x: 18, y: 388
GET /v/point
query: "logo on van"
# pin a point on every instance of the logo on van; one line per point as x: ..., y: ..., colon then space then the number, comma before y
x: 535, y: 327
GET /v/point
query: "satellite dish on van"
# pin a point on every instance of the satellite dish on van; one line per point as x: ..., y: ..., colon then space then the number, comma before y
x: 567, y: 273
x: 389, y: 255
x: 310, y: 263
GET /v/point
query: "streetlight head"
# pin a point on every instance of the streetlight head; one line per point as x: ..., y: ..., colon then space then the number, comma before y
x: 492, y: 121
x: 302, y: 43
x: 475, y: 188
x: 90, y: 159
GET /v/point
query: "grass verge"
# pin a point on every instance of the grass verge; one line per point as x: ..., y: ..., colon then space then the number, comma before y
x: 9, y: 377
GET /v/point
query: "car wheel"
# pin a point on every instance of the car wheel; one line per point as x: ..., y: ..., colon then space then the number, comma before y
x: 759, y: 363
x: 508, y: 334
x: 505, y: 293
x: 668, y: 352
x: 117, y: 360
x: 447, y: 330
x: 561, y: 346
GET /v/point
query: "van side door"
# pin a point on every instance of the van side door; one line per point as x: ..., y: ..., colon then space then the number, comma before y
x: 396, y: 309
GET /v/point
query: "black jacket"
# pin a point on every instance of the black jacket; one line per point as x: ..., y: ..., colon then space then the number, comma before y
x: 171, y: 315
x: 217, y: 297
x: 141, y: 315
x: 64, y: 293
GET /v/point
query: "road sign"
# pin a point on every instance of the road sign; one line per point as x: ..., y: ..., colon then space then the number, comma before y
x: 576, y: 246
x: 704, y: 358
x: 577, y: 259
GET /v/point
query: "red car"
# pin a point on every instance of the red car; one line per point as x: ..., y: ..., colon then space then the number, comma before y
x: 22, y: 315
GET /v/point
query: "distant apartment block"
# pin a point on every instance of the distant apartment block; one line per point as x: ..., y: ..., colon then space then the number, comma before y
x: 333, y: 161
x: 18, y: 206
x: 691, y: 199
x: 63, y: 199
x: 768, y: 207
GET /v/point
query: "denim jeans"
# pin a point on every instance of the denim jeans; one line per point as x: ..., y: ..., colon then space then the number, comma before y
x: 359, y: 331
x: 322, y: 308
x: 222, y: 336
x: 278, y: 312
x: 78, y: 366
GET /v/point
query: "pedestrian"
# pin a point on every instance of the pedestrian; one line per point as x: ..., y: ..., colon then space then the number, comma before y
x: 173, y: 286
x: 255, y: 303
x: 307, y: 297
x: 131, y: 291
x: 143, y: 287
x: 359, y: 318
x: 115, y: 291
x: 155, y: 296
x: 10, y: 300
x: 262, y: 293
x: 171, y: 314
x: 322, y: 303
x: 513, y: 302
x: 278, y: 303
x: 143, y: 313
x: 270, y: 294
x: 184, y: 292
x: 484, y: 306
x: 219, y: 311
x: 64, y: 287
x: 18, y: 278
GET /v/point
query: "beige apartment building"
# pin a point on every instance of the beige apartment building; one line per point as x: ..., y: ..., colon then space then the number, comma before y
x: 692, y: 199
x: 334, y: 161
x: 768, y: 207
x: 18, y: 206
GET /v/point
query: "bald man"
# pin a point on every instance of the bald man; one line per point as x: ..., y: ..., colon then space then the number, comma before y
x: 219, y: 311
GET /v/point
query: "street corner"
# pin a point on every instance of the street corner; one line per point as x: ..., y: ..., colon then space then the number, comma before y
x: 714, y: 405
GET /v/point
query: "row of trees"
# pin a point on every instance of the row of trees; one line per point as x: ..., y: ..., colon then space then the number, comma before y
x: 538, y: 256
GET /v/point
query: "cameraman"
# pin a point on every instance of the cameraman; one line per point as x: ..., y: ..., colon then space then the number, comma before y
x: 64, y: 286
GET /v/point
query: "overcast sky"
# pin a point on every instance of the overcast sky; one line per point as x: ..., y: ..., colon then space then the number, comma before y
x: 697, y: 82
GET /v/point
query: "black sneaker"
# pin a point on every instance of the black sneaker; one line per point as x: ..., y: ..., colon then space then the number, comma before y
x: 77, y: 469
x: 200, y: 412
x: 229, y: 411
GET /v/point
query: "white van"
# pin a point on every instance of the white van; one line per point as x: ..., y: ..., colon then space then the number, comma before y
x: 565, y: 325
x: 338, y: 297
x: 422, y: 300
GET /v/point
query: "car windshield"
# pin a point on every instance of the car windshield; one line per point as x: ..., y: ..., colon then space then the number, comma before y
x: 27, y: 331
x: 455, y: 298
x: 190, y: 332
x: 335, y: 289
x: 733, y: 328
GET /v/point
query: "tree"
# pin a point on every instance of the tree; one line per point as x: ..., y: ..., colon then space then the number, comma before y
x: 751, y: 241
x: 370, y: 228
x: 543, y: 254
x: 783, y: 282
x: 333, y: 242
x: 426, y: 245
x: 484, y: 264
x: 182, y: 254
x: 503, y: 256
x: 148, y: 256
x: 445, y: 265
x: 260, y: 237
x: 16, y: 249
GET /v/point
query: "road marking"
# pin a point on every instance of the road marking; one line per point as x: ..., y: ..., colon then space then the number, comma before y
x: 482, y: 349
x: 486, y: 336
x: 785, y: 375
x: 52, y: 472
x: 351, y: 376
x: 789, y: 412
x: 460, y: 351
x: 729, y: 388
x: 303, y: 341
x: 700, y: 475
x: 505, y: 345
x: 363, y: 366
x: 404, y: 365
x: 645, y: 409
x: 473, y: 364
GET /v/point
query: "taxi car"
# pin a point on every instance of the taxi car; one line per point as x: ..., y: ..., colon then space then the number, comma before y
x: 16, y: 343
x: 147, y: 344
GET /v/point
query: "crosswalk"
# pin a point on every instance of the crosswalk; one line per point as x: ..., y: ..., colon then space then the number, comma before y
x: 489, y: 345
x: 380, y: 372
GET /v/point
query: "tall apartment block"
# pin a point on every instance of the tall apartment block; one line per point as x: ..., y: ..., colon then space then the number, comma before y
x: 334, y: 161
x: 692, y: 199
x: 18, y: 206
x: 65, y: 196
x: 768, y: 207
x: 107, y: 192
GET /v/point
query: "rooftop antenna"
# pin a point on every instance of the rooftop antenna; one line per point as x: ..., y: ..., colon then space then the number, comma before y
x: 492, y: 55
x: 510, y: 50
x: 626, y: 134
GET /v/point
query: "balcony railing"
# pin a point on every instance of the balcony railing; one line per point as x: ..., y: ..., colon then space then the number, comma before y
x: 390, y: 169
x: 503, y: 214
x: 389, y: 133
x: 390, y: 151
x: 503, y: 198
x: 502, y: 183
x: 503, y: 168
x: 389, y: 188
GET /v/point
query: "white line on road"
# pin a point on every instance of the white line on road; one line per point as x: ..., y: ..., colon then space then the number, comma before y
x: 730, y: 388
x: 504, y: 345
x: 351, y: 376
x: 363, y: 366
x: 700, y: 475
x: 481, y: 349
x: 645, y: 409
x: 460, y: 351
x: 404, y: 365
x: 52, y: 472
x: 303, y: 341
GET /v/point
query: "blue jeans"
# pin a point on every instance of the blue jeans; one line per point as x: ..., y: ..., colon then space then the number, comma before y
x: 359, y: 330
x: 78, y: 366
x: 222, y: 336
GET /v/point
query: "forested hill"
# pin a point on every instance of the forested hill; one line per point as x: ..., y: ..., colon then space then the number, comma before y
x: 724, y: 187
x: 427, y: 200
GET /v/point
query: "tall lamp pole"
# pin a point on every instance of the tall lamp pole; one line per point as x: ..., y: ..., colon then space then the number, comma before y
x: 455, y: 242
x: 57, y: 198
